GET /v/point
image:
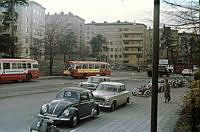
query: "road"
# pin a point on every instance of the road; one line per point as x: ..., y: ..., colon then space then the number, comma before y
x: 20, y: 103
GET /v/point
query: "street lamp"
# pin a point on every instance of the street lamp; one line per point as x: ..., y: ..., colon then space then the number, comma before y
x: 154, y: 99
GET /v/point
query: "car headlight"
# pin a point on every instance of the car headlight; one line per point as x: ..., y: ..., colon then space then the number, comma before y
x: 44, y: 108
x: 65, y: 113
x: 107, y: 100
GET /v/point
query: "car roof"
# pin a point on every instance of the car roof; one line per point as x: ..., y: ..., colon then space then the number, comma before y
x: 112, y: 83
x: 75, y: 89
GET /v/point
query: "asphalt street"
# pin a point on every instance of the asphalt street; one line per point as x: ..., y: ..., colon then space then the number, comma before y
x: 20, y: 103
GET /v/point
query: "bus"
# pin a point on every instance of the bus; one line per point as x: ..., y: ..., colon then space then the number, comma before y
x: 18, y: 69
x: 84, y: 69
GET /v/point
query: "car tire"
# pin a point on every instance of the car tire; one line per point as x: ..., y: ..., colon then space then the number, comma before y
x: 94, y: 112
x: 147, y: 93
x: 74, y: 120
x: 113, y: 107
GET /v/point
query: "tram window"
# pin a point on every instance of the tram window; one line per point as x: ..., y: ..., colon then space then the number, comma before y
x: 24, y: 65
x: 6, y: 65
x: 85, y: 66
x: 0, y: 65
x: 103, y: 66
x: 29, y: 65
x: 91, y: 66
x: 14, y: 65
x: 35, y: 65
x: 19, y: 65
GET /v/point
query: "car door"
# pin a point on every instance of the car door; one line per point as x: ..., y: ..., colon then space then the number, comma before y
x: 123, y: 94
x: 84, y: 105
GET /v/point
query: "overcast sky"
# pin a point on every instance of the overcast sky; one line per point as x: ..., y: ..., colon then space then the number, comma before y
x: 102, y: 10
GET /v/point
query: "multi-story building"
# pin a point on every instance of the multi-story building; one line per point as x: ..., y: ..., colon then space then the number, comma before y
x: 126, y: 41
x: 166, y: 50
x: 30, y: 28
x: 69, y: 23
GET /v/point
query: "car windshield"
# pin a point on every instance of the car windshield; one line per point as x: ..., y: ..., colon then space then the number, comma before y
x: 69, y: 95
x: 107, y: 87
x: 94, y: 80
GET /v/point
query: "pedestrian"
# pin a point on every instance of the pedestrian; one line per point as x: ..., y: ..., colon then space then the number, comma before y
x: 167, y: 91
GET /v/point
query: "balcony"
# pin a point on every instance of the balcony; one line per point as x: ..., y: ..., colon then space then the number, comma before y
x: 132, y: 52
x: 131, y: 32
x: 131, y: 38
x: 133, y: 45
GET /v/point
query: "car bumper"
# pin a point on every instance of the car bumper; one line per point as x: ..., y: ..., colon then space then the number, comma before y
x: 104, y: 105
x: 52, y: 119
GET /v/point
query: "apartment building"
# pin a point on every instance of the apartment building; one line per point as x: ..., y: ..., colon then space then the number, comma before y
x: 30, y: 28
x: 69, y: 23
x: 126, y: 41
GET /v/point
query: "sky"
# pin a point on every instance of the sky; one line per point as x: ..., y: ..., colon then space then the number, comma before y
x: 139, y: 11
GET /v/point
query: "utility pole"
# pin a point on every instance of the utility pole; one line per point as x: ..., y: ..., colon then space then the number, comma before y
x: 154, y: 99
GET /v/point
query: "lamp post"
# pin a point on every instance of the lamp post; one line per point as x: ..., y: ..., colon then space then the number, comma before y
x: 154, y: 99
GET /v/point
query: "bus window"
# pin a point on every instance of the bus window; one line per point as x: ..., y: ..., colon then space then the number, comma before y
x: 24, y: 65
x: 91, y: 66
x: 96, y: 66
x: 6, y: 65
x: 14, y: 65
x: 35, y: 65
x: 103, y: 66
x: 19, y: 65
x: 78, y: 66
x: 29, y: 65
x: 85, y: 66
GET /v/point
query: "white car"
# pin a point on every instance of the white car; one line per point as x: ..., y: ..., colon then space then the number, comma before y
x: 187, y: 72
x: 111, y: 95
x: 93, y: 81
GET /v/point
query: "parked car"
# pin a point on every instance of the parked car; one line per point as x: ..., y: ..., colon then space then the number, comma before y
x: 93, y: 81
x: 187, y: 72
x: 111, y: 95
x: 162, y: 70
x: 70, y: 105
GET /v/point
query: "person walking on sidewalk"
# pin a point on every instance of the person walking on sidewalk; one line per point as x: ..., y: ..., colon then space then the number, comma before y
x: 167, y: 91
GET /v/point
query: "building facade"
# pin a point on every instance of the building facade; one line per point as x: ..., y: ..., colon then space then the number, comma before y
x: 126, y: 41
x: 30, y: 28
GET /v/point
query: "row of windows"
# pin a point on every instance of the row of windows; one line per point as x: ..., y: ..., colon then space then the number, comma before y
x: 87, y: 66
x: 18, y: 65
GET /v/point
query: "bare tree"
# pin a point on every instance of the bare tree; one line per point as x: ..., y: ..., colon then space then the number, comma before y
x: 52, y: 39
x: 183, y: 14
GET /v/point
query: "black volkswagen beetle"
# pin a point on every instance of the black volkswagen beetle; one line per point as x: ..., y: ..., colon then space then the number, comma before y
x: 70, y: 105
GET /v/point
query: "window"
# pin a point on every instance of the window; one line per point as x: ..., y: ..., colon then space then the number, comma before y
x: 29, y: 65
x: 26, y: 30
x: 84, y: 96
x: 0, y: 65
x: 26, y: 19
x: 14, y: 65
x: 96, y: 66
x: 26, y: 40
x: 91, y: 66
x: 24, y: 65
x: 26, y: 50
x: 19, y: 65
x: 122, y: 88
x: 103, y: 66
x: 85, y: 66
x: 35, y: 65
x: 6, y: 65
x: 90, y: 95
